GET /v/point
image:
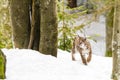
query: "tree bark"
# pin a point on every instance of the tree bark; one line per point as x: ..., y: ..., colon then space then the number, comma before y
x: 72, y: 3
x: 27, y: 32
x: 109, y: 32
x: 48, y: 40
x: 116, y: 42
x: 25, y: 17
x: 35, y: 26
x: 20, y: 18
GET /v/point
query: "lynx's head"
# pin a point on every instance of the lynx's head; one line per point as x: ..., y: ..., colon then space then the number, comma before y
x: 79, y: 40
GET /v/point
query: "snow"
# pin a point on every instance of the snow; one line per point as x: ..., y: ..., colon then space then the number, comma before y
x: 25, y: 64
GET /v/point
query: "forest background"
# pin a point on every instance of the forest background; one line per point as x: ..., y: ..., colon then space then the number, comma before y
x: 65, y: 13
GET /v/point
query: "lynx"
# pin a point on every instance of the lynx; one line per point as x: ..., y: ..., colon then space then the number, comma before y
x: 82, y: 45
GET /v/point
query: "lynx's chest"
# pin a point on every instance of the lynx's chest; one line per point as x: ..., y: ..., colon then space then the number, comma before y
x: 83, y: 48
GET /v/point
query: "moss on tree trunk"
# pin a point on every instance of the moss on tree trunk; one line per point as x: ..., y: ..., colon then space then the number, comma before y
x: 109, y: 32
x: 2, y: 65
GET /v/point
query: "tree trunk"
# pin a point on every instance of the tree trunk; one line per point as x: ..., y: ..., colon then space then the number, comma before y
x: 116, y: 42
x: 26, y: 17
x: 48, y: 40
x: 72, y: 3
x: 20, y: 22
x: 35, y: 25
x: 109, y: 32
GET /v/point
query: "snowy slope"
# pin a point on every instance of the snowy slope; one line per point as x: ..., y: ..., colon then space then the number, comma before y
x: 23, y: 64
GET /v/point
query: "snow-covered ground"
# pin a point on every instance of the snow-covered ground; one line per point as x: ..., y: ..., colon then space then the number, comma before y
x: 24, y: 64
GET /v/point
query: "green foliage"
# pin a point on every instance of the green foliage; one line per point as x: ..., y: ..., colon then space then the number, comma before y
x: 2, y: 66
x: 65, y: 43
x: 66, y: 19
x: 5, y: 28
x: 102, y: 6
x: 108, y: 54
x: 2, y: 75
x: 109, y: 18
x: 66, y: 29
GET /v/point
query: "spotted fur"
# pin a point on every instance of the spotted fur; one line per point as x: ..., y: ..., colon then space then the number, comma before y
x: 83, y: 46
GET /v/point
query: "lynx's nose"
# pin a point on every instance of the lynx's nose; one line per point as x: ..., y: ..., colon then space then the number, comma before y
x: 83, y: 46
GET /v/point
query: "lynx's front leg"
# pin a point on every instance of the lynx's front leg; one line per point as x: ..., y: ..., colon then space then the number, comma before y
x: 89, y: 56
x: 83, y: 58
x: 82, y: 55
x: 90, y: 51
x: 73, y: 57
